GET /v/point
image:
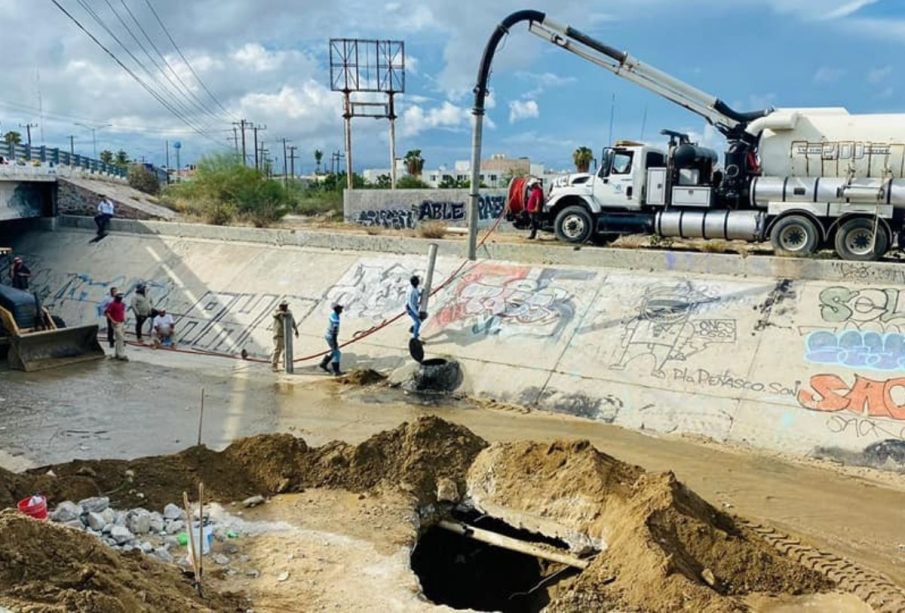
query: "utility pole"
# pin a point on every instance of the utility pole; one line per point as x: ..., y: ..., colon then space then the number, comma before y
x: 285, y: 169
x: 94, y: 128
x: 235, y: 139
x: 292, y: 156
x: 167, y: 146
x: 28, y: 127
x: 258, y: 161
x: 259, y: 157
x: 242, y: 123
x: 71, y: 148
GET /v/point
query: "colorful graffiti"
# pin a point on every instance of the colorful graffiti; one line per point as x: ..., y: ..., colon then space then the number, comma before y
x: 865, y: 397
x: 665, y: 328
x: 857, y: 307
x: 500, y: 300
x: 856, y: 349
x: 372, y: 289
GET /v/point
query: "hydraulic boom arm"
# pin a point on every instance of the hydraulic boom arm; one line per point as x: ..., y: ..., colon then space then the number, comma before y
x: 718, y: 113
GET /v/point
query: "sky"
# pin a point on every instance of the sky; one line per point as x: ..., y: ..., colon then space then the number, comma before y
x: 268, y: 62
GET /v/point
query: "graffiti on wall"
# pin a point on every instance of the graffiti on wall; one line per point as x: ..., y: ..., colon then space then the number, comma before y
x: 862, y: 396
x: 508, y: 301
x: 857, y: 349
x: 870, y: 307
x: 398, y: 217
x: 667, y: 327
x: 372, y: 289
x: 22, y: 200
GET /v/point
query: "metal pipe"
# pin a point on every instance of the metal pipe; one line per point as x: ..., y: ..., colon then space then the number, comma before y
x: 288, y: 328
x: 480, y: 93
x: 429, y: 277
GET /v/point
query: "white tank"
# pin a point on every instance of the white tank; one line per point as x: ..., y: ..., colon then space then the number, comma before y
x: 829, y: 142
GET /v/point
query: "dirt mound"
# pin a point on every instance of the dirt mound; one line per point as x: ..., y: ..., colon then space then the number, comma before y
x: 363, y: 377
x: 412, y: 457
x: 665, y: 547
x: 46, y: 567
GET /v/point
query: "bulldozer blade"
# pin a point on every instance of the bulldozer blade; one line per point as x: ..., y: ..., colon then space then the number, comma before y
x: 54, y: 348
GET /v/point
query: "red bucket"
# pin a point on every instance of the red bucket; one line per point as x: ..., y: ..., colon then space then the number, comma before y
x: 34, y: 506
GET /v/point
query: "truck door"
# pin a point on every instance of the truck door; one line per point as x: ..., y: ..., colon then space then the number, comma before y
x: 614, y: 187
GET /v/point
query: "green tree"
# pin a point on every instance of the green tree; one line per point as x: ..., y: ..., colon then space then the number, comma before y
x: 411, y: 182
x: 122, y: 159
x: 384, y: 182
x: 582, y: 158
x: 143, y: 179
x: 106, y: 156
x: 414, y: 163
x: 318, y: 157
x: 12, y: 138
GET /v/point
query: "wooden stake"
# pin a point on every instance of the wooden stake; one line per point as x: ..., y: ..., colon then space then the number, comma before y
x: 201, y: 531
x: 191, y: 535
x: 507, y: 542
x: 201, y: 417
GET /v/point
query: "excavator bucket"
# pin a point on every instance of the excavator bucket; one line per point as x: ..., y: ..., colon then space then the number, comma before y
x: 54, y: 348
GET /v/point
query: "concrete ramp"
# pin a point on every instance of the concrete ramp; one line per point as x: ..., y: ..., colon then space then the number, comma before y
x: 805, y: 367
x: 80, y: 195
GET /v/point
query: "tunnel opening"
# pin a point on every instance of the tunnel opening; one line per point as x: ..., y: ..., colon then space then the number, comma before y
x: 466, y: 574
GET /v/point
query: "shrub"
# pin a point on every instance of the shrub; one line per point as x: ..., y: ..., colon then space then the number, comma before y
x: 432, y: 229
x: 143, y: 180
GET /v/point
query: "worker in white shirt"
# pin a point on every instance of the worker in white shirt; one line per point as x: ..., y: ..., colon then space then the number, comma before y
x: 105, y: 212
x: 164, y: 330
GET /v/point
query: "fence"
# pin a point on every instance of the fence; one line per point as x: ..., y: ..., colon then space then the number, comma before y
x: 25, y: 154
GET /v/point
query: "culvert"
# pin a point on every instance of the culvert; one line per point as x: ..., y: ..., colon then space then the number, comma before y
x: 492, y: 568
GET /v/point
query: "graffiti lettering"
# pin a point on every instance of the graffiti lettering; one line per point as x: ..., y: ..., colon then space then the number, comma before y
x: 862, y: 428
x: 441, y: 211
x: 854, y: 348
x: 728, y: 380
x: 397, y: 219
x: 844, y: 305
x: 490, y: 207
x: 865, y: 397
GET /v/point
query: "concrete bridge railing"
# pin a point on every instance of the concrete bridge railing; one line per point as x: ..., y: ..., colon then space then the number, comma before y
x: 47, y: 158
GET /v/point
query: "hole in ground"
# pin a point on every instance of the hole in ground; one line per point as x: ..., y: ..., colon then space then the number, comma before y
x: 466, y: 574
x: 434, y: 362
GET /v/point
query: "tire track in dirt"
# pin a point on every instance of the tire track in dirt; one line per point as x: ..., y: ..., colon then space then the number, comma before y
x: 870, y: 586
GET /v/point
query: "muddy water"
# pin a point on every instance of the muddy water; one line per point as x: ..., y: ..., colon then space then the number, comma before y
x: 114, y: 410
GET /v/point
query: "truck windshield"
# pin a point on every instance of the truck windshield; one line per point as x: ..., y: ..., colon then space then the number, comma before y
x: 622, y: 163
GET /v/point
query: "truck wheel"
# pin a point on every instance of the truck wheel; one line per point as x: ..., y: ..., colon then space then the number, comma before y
x: 795, y: 235
x: 573, y: 224
x: 855, y: 240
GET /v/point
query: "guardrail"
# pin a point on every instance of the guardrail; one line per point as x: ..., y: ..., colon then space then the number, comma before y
x: 26, y: 155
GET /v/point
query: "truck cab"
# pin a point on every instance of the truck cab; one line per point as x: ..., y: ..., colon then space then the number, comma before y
x: 619, y: 186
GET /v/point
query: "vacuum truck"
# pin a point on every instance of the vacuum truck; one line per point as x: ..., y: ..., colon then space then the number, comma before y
x: 800, y: 178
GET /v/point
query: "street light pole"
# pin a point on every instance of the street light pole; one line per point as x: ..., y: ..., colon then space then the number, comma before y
x: 94, y: 128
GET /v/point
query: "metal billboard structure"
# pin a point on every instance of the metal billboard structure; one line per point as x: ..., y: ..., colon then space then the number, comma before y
x: 364, y: 70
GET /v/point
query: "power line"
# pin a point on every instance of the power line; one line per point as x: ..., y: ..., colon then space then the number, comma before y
x: 130, y: 72
x: 97, y: 18
x: 184, y: 59
x: 184, y: 88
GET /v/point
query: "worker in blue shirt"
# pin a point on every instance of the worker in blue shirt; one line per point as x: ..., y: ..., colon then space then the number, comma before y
x: 413, y: 307
x: 332, y: 336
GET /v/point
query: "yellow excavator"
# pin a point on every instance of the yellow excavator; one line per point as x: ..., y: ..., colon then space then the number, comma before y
x: 33, y: 339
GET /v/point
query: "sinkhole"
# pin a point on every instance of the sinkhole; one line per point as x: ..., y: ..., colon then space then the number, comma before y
x: 462, y: 572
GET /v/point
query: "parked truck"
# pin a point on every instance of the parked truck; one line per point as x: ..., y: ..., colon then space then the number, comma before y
x: 800, y: 178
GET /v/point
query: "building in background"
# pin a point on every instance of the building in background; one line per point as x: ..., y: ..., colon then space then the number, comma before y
x: 495, y: 172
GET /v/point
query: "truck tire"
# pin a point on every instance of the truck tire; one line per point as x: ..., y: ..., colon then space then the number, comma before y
x: 574, y: 224
x: 855, y: 242
x: 796, y: 236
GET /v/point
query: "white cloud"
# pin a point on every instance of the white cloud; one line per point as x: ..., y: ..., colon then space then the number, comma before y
x: 849, y: 8
x: 827, y: 74
x: 876, y: 76
x: 543, y: 82
x: 416, y: 119
x: 523, y: 109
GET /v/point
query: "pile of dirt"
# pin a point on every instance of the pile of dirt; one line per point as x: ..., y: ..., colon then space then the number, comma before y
x: 362, y: 377
x: 46, y: 567
x: 412, y: 457
x: 665, y: 547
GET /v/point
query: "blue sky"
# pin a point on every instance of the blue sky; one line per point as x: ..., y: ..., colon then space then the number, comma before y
x: 268, y: 62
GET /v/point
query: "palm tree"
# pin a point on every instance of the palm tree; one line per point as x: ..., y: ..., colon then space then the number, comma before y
x: 582, y: 158
x: 122, y: 158
x: 414, y: 163
x: 12, y: 138
x: 106, y: 156
x: 318, y: 156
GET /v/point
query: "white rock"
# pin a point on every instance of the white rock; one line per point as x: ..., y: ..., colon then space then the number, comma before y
x: 221, y: 559
x: 283, y: 576
x: 171, y: 511
x: 138, y: 521
x: 120, y: 518
x: 157, y: 522
x: 174, y: 526
x: 96, y: 521
x: 75, y: 523
x: 121, y: 535
x: 97, y: 504
x: 147, y: 547
x: 66, y: 512
x: 253, y: 501
x: 163, y: 555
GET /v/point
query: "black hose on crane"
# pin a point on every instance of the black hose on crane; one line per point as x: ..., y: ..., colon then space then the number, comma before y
x: 480, y: 94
